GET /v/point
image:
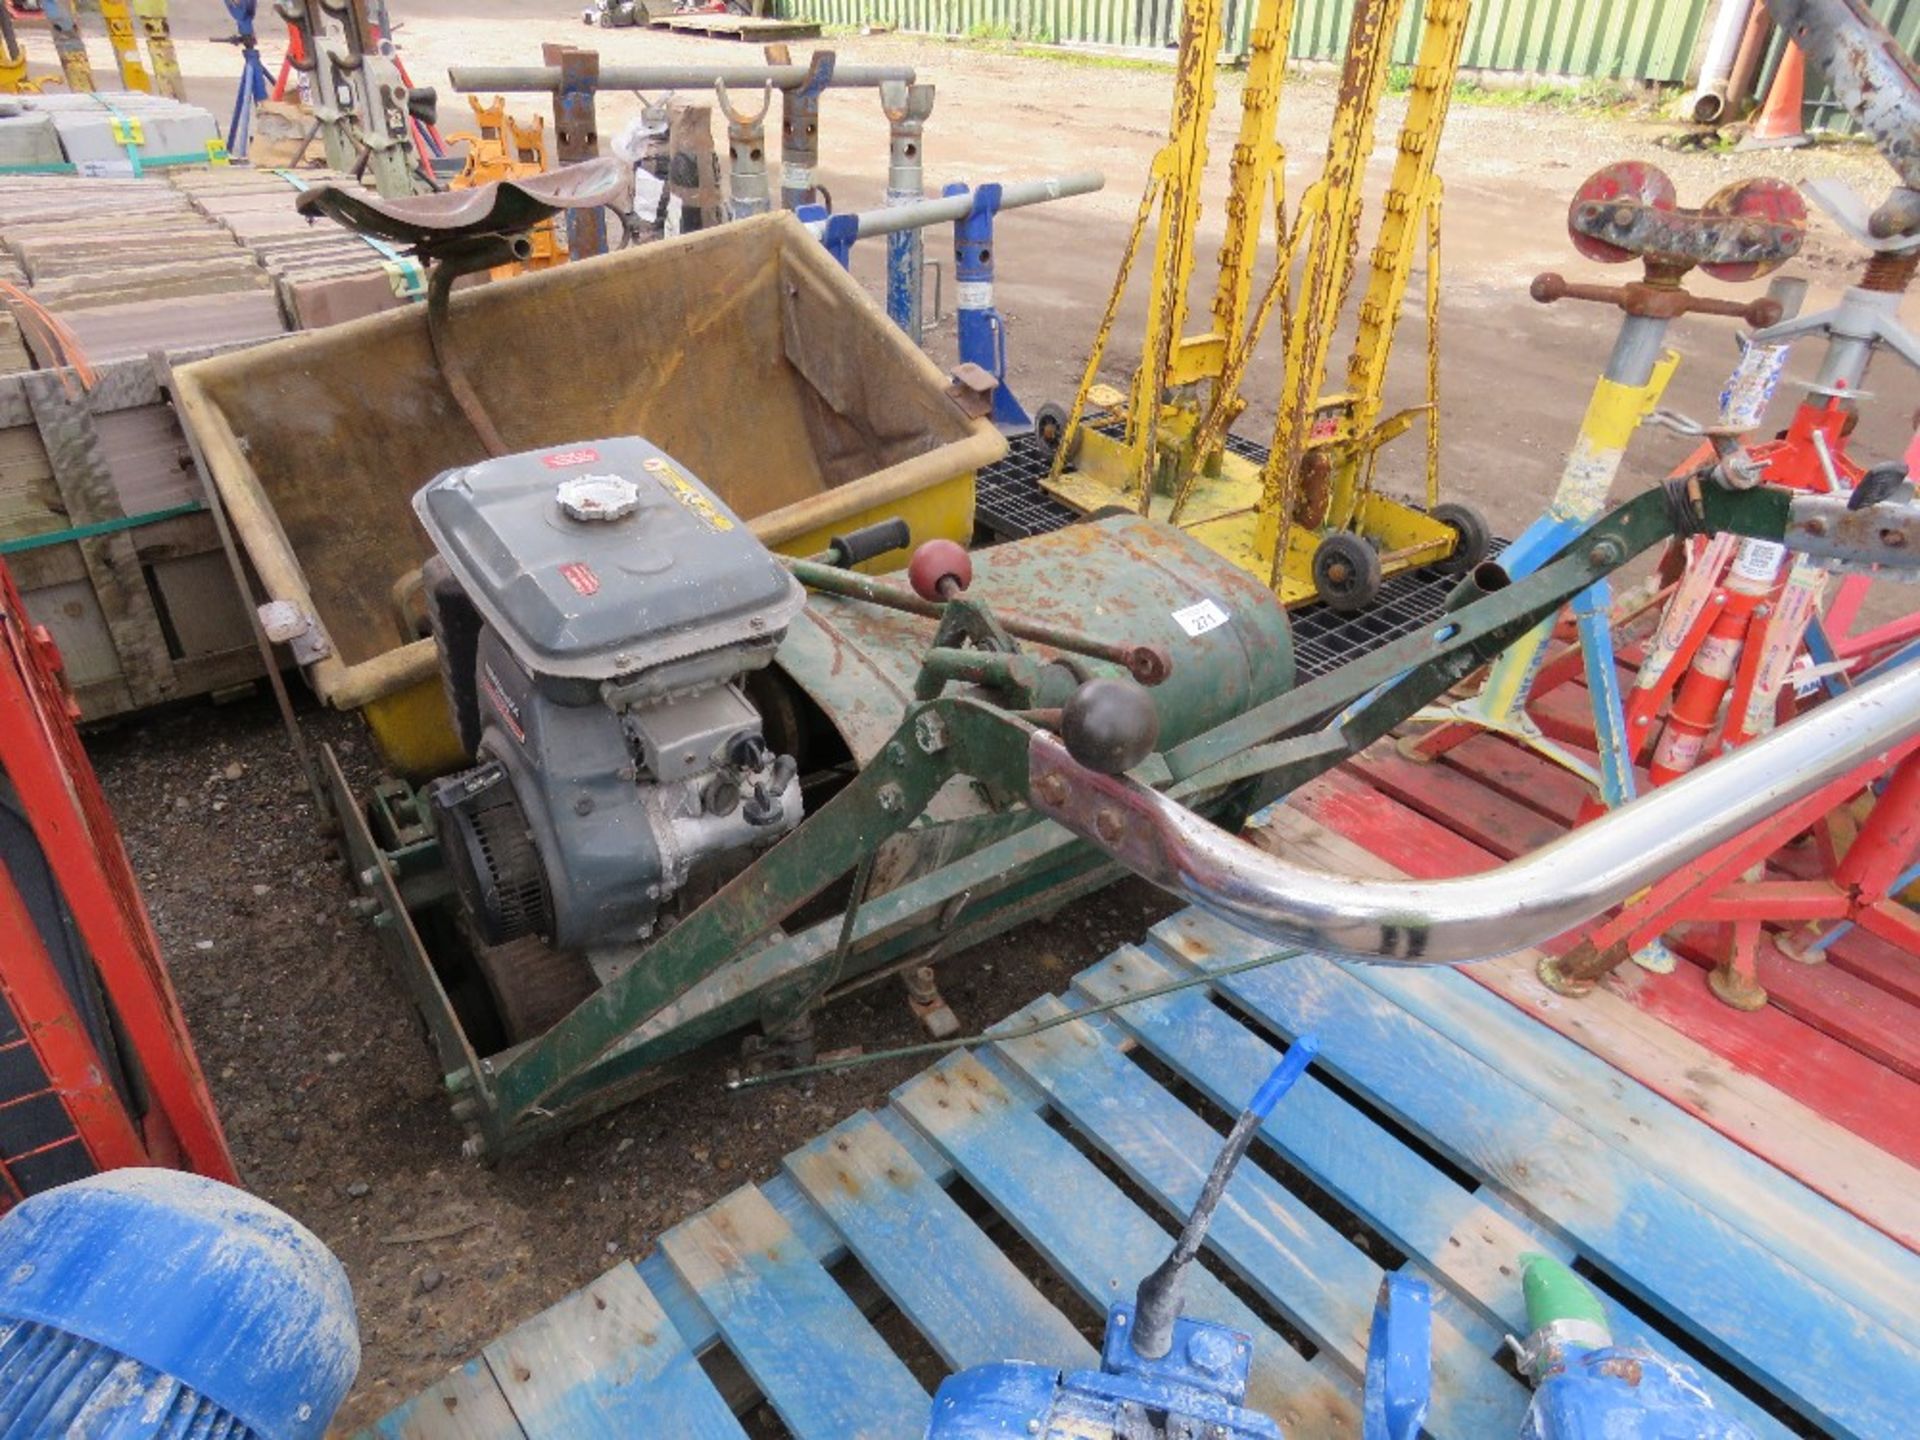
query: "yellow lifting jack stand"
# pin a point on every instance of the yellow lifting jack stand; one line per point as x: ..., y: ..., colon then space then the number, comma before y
x: 1307, y: 520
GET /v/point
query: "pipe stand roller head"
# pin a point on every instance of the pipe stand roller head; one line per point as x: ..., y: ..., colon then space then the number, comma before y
x: 143, y: 1304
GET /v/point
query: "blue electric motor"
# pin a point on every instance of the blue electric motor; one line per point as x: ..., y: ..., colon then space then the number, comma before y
x: 158, y: 1305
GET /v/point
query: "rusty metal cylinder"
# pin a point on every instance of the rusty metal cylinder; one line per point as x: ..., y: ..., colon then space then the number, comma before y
x: 1122, y: 580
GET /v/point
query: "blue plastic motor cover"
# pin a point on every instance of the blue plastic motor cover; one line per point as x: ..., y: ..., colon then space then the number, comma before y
x: 1202, y: 1379
x: 181, y: 1276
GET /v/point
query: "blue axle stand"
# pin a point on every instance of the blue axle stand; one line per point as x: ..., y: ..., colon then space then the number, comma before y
x: 983, y: 335
x: 253, y: 77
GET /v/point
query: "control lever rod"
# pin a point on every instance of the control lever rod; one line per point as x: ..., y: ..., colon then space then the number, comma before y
x: 941, y: 572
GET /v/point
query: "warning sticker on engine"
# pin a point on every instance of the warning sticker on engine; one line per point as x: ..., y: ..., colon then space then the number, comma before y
x: 565, y: 459
x: 684, y: 490
x: 1198, y: 619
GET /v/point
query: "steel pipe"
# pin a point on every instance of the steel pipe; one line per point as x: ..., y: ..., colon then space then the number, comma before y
x: 1876, y: 81
x: 545, y: 79
x: 1709, y: 100
x: 917, y: 214
x: 1475, y: 917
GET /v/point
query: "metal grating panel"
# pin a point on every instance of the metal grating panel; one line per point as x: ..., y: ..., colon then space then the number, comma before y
x: 1010, y: 503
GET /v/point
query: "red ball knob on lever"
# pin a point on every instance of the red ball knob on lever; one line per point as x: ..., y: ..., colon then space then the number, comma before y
x: 939, y: 570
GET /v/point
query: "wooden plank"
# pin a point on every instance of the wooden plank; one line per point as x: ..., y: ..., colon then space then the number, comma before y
x: 1879, y: 962
x: 29, y: 500
x: 86, y: 489
x: 1098, y: 1240
x: 1480, y: 800
x: 738, y: 27
x: 1366, y: 1168
x: 1521, y: 776
x: 1715, y: 1168
x: 1789, y: 1056
x: 604, y: 1364
x: 1273, y: 1240
x: 1809, y: 1345
x: 1751, y: 1115
x: 1855, y: 1012
x: 1778, y: 1129
x: 147, y: 457
x: 467, y: 1405
x: 1833, y: 1079
x: 1565, y: 714
x: 1466, y: 1237
x: 820, y: 1365
x: 71, y: 612
x: 1462, y: 803
x: 202, y: 607
x: 973, y: 1305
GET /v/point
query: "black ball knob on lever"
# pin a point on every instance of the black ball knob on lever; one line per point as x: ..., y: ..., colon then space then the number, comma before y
x: 1110, y: 725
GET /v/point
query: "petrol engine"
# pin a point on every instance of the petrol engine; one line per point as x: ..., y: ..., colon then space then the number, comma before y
x: 598, y: 612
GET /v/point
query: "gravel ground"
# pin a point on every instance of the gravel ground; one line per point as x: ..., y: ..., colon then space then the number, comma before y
x: 329, y: 1089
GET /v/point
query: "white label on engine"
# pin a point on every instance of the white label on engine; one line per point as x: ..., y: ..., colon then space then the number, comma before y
x: 1199, y: 619
x: 796, y: 177
x: 975, y: 294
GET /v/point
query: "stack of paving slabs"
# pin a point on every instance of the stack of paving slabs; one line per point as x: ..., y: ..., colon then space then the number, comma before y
x: 128, y: 267
x: 101, y: 516
x: 101, y: 133
x: 323, y: 272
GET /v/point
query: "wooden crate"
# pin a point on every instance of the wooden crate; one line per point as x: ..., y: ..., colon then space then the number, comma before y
x: 102, y: 526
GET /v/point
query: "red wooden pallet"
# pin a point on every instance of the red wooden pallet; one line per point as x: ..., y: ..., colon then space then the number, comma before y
x: 1842, y: 1039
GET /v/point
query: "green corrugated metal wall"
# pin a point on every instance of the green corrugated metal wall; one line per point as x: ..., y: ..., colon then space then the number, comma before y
x: 1614, y: 39
x: 1650, y: 40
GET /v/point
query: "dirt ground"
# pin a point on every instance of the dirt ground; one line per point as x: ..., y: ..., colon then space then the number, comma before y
x: 329, y: 1092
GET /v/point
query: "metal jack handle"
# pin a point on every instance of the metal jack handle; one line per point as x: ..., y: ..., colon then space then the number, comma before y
x: 1653, y: 301
x: 1161, y: 1294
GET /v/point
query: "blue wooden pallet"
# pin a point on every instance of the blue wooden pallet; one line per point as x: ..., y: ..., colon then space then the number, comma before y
x: 1008, y: 1193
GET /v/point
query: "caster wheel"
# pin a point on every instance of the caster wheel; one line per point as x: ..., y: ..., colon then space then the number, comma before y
x: 1050, y: 428
x: 1346, y: 572
x: 1472, y: 537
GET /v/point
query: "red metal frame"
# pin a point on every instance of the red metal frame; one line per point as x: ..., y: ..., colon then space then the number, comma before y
x: 1855, y: 881
x: 41, y: 754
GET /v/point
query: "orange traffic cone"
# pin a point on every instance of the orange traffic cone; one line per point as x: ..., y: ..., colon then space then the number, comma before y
x: 1778, y: 124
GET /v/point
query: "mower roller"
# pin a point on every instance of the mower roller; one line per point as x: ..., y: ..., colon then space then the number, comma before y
x: 712, y: 788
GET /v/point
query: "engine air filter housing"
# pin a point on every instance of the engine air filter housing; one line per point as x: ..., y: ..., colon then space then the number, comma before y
x: 143, y: 1304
